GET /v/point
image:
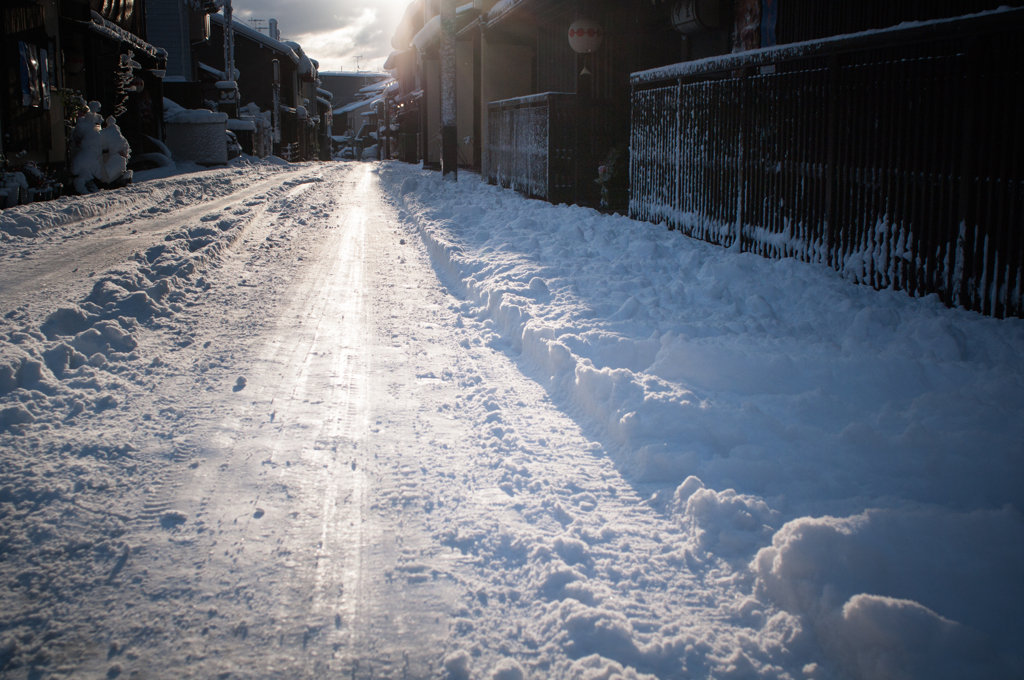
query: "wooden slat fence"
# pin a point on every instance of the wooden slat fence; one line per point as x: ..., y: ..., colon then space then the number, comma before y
x: 532, y: 145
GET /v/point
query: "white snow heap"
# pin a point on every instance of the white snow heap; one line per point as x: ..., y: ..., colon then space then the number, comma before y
x: 102, y: 153
x: 174, y: 113
x: 430, y: 32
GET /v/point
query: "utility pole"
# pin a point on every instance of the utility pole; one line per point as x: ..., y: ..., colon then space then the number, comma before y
x: 229, y: 96
x: 358, y: 57
x: 449, y: 120
x: 277, y: 104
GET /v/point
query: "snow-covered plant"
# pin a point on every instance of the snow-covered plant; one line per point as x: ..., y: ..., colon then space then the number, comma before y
x: 102, y: 153
x: 125, y: 80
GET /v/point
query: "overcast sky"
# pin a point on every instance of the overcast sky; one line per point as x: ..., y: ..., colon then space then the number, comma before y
x: 333, y: 32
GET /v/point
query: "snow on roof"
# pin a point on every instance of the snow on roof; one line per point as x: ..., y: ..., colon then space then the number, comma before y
x: 430, y: 32
x: 212, y: 71
x: 389, y: 63
x: 501, y: 7
x: 305, y: 65
x: 115, y: 32
x: 325, y: 102
x: 175, y: 113
x: 355, y: 74
x: 255, y: 35
x: 348, y: 108
x: 324, y: 93
x: 241, y: 125
x: 393, y: 88
x: 808, y: 48
x: 376, y: 87
x: 401, y: 40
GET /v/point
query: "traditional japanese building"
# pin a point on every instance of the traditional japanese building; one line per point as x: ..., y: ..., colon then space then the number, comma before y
x: 53, y: 52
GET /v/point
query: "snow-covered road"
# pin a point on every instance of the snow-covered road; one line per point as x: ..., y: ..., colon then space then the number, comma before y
x: 345, y: 420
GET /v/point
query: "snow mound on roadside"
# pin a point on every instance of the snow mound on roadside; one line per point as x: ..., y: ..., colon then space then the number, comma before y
x: 924, y: 593
x: 665, y: 343
x: 759, y: 391
x: 80, y: 358
x: 160, y: 195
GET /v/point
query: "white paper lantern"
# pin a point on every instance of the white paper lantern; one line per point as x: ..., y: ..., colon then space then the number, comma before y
x: 585, y: 36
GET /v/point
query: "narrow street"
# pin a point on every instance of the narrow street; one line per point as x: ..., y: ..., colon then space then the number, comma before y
x: 324, y: 519
x: 303, y: 553
x: 295, y: 432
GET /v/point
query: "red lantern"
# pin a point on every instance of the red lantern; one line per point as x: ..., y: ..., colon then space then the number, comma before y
x: 75, y: 63
x: 585, y: 36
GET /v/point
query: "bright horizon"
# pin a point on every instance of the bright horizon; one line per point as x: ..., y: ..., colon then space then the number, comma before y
x: 340, y: 34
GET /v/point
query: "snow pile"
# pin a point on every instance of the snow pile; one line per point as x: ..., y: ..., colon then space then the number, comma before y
x: 100, y: 153
x: 926, y: 561
x: 81, y: 356
x: 175, y: 113
x: 68, y: 375
x: 848, y: 459
x: 163, y: 194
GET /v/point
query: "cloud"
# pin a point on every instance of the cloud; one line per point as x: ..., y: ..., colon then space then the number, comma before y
x: 332, y: 31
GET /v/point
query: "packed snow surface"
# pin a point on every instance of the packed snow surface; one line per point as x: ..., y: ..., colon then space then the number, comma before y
x: 348, y: 420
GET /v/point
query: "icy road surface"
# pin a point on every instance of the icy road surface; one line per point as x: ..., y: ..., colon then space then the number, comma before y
x: 319, y: 451
x: 344, y: 420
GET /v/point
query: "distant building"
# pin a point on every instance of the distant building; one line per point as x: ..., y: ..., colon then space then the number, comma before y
x: 345, y: 85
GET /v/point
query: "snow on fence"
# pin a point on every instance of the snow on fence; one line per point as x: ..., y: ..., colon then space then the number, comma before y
x: 531, y: 141
x: 896, y: 157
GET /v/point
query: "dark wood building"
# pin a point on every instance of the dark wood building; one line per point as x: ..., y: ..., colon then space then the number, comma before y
x: 96, y: 49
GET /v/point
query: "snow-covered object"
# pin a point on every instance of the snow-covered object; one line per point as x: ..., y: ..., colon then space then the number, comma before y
x: 241, y: 125
x: 115, y: 152
x: 102, y: 153
x: 501, y: 7
x: 376, y: 87
x: 86, y: 125
x: 118, y: 34
x: 174, y: 113
x: 215, y: 72
x: 429, y: 34
x: 198, y: 135
x: 306, y: 69
x: 15, y: 186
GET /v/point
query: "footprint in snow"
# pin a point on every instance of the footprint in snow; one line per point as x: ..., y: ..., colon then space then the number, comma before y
x: 172, y: 519
x: 239, y: 385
